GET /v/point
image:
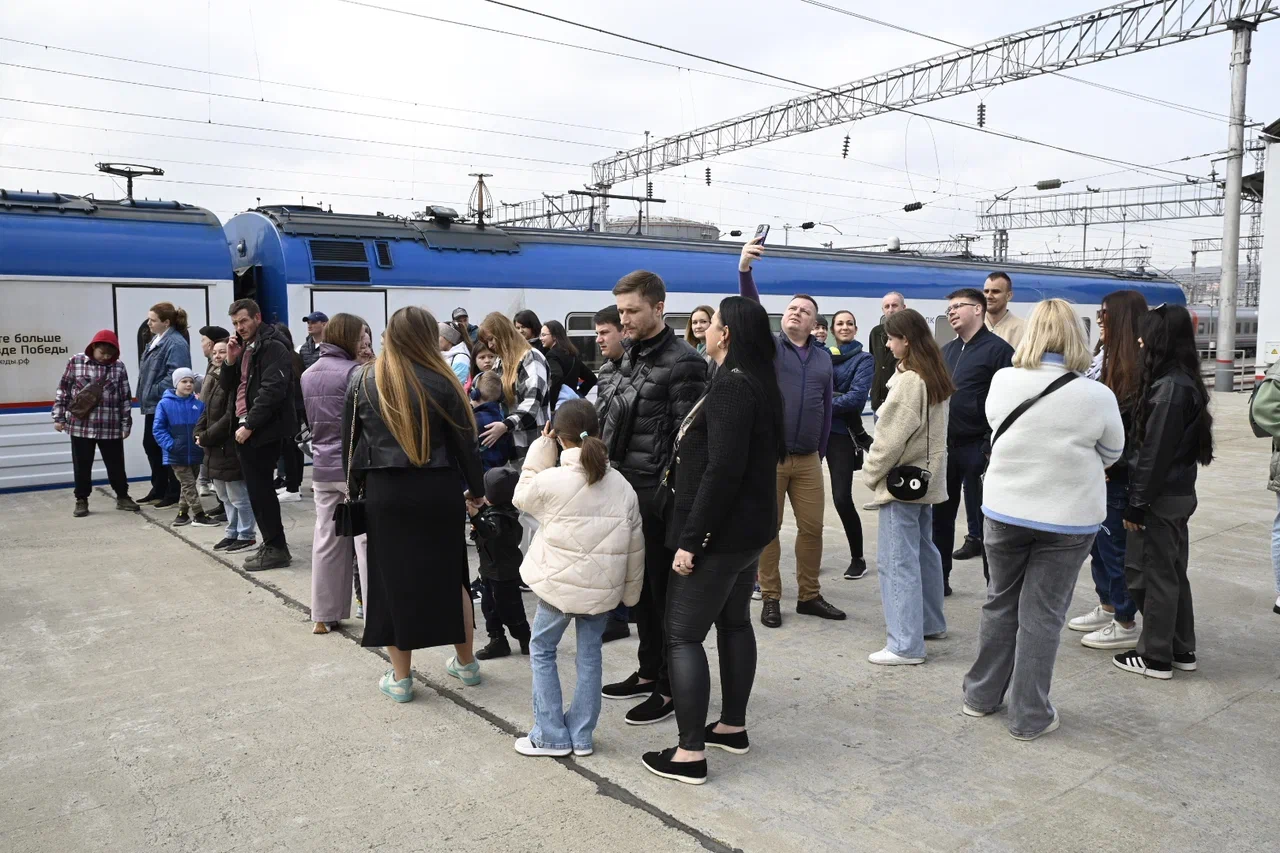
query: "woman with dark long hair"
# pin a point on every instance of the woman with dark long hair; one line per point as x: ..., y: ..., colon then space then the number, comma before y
x: 1111, y: 624
x: 529, y: 327
x: 563, y: 363
x: 911, y: 431
x: 415, y: 437
x: 723, y: 485
x: 1172, y: 435
x: 852, y: 370
x: 525, y: 384
x: 695, y: 334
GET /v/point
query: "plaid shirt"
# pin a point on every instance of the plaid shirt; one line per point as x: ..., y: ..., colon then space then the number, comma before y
x: 532, y: 388
x: 113, y: 416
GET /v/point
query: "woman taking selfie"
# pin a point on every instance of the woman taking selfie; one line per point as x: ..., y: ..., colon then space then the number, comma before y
x: 911, y: 439
x: 724, y: 514
x: 414, y: 438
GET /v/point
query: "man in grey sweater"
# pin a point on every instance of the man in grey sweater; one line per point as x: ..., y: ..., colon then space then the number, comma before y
x: 805, y: 379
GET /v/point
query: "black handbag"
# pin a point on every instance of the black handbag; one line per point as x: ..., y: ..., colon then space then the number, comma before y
x: 908, y: 482
x: 349, y: 518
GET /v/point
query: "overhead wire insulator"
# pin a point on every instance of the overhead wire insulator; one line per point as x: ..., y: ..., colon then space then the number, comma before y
x: 913, y: 207
x: 982, y: 114
x: 708, y: 176
x: 845, y: 152
x: 648, y: 190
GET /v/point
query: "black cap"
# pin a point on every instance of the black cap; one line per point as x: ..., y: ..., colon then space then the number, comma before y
x: 500, y: 485
x: 215, y: 333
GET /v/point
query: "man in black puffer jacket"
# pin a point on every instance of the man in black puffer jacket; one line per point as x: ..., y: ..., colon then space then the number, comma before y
x: 258, y: 377
x: 660, y: 379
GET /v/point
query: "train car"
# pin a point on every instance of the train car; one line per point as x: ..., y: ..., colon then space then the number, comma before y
x: 301, y: 259
x: 1206, y: 319
x: 70, y: 266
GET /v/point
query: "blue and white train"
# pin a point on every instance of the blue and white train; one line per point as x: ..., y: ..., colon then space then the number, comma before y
x: 70, y: 266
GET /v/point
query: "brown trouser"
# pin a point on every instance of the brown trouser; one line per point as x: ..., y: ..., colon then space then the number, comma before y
x: 190, y: 495
x: 799, y: 477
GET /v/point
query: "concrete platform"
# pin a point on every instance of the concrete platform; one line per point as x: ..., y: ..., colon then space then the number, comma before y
x: 155, y: 697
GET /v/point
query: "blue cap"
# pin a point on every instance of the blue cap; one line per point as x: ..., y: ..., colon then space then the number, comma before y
x: 316, y: 317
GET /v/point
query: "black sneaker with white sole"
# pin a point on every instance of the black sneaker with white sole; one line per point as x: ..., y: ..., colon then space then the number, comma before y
x: 689, y: 772
x: 1185, y: 661
x: 1134, y: 662
x: 629, y: 688
x: 857, y: 569
x: 735, y: 742
x: 655, y: 709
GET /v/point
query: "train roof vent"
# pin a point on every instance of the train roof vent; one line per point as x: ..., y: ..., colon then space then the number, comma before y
x: 383, y: 250
x: 350, y: 251
x: 331, y: 272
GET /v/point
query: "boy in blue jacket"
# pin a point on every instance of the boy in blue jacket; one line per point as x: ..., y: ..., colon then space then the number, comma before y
x: 489, y: 386
x: 174, y: 430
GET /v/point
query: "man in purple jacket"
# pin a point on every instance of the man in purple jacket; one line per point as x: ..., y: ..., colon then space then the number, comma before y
x: 805, y: 379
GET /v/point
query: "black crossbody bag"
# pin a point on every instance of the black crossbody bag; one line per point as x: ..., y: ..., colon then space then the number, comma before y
x: 1060, y: 382
x: 349, y: 518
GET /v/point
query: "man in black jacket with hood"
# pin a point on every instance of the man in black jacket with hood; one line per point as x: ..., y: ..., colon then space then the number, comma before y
x: 258, y: 376
x: 660, y: 379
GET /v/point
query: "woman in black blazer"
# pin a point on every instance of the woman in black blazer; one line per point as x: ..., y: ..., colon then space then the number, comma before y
x: 724, y: 513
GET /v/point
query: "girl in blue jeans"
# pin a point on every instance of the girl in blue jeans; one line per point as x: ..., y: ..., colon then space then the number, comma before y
x: 587, y: 555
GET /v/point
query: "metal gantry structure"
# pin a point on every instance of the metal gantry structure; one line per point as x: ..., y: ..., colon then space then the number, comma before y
x: 1118, y: 30
x: 958, y: 245
x: 1129, y: 204
x: 1123, y: 258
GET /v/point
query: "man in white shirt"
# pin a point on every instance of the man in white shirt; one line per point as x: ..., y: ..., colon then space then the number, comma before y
x: 998, y: 289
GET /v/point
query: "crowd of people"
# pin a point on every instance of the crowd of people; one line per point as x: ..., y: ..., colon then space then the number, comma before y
x: 659, y: 500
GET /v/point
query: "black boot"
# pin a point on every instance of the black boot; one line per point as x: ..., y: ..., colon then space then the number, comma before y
x: 615, y: 629
x: 498, y: 648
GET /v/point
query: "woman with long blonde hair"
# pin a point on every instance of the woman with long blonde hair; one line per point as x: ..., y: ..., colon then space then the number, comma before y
x: 414, y: 438
x: 525, y: 384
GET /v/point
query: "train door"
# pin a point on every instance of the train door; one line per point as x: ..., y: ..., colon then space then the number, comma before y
x: 369, y: 303
x: 133, y: 301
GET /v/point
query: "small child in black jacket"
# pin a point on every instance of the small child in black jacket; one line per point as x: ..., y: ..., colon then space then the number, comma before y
x: 495, y: 527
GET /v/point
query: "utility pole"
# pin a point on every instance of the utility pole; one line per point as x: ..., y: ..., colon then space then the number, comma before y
x: 644, y: 208
x: 1224, y: 378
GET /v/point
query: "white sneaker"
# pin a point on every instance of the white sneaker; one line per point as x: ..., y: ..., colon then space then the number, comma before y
x: 1092, y: 621
x: 884, y: 657
x: 289, y: 497
x: 206, y: 490
x: 871, y: 506
x: 1113, y: 636
x: 1052, y: 727
x: 524, y: 746
x: 1276, y: 608
x: 756, y: 595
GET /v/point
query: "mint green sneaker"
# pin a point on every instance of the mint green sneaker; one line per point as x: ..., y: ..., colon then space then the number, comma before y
x: 469, y: 674
x: 401, y: 691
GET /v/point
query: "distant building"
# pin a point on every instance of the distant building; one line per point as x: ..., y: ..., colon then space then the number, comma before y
x: 673, y: 227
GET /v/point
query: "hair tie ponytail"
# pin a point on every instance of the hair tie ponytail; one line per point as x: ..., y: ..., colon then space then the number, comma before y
x: 583, y: 434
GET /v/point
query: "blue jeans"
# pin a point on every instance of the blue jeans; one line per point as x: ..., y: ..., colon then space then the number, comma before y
x: 1275, y: 545
x: 910, y: 570
x: 553, y: 727
x: 1108, y: 556
x: 234, y: 495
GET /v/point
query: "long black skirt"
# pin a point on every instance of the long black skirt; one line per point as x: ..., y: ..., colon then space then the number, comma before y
x: 417, y: 558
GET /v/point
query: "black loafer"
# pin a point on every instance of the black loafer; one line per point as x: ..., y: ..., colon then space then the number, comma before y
x: 655, y: 709
x: 819, y: 607
x: 689, y: 772
x: 970, y: 549
x: 735, y: 742
x: 616, y: 629
x: 771, y: 613
x: 629, y: 688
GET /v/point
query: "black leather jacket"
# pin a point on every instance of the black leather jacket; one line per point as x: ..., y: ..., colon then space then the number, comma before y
x: 1164, y: 463
x: 659, y: 381
x: 886, y: 365
x: 451, y: 446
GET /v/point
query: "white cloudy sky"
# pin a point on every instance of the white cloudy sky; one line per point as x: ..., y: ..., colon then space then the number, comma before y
x: 454, y: 99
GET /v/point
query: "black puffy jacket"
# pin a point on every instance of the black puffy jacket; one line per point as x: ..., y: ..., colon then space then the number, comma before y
x: 1164, y: 462
x: 658, y: 382
x: 269, y: 395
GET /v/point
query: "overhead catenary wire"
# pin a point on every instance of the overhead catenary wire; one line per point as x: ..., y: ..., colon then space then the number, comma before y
x: 306, y: 88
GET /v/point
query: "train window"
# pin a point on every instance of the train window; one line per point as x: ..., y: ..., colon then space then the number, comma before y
x: 775, y: 323
x: 1088, y: 327
x: 942, y: 331
x: 677, y: 322
x: 1237, y: 327
x: 1200, y: 327
x: 581, y: 329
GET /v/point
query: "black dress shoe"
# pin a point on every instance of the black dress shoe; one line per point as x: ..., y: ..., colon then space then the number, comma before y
x: 497, y: 648
x: 165, y: 502
x: 735, y: 742
x: 946, y: 589
x: 771, y: 613
x: 655, y: 709
x: 615, y: 629
x: 857, y: 569
x: 970, y: 549
x: 689, y: 772
x: 819, y: 607
x: 629, y: 688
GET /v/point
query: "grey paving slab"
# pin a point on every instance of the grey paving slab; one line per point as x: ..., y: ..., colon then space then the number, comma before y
x: 157, y: 698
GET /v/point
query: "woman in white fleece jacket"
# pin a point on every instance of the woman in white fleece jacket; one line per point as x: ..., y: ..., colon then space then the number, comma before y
x: 1044, y: 498
x: 587, y: 556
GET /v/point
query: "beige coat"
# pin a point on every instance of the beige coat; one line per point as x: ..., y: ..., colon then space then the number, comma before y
x: 588, y: 553
x: 900, y: 438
